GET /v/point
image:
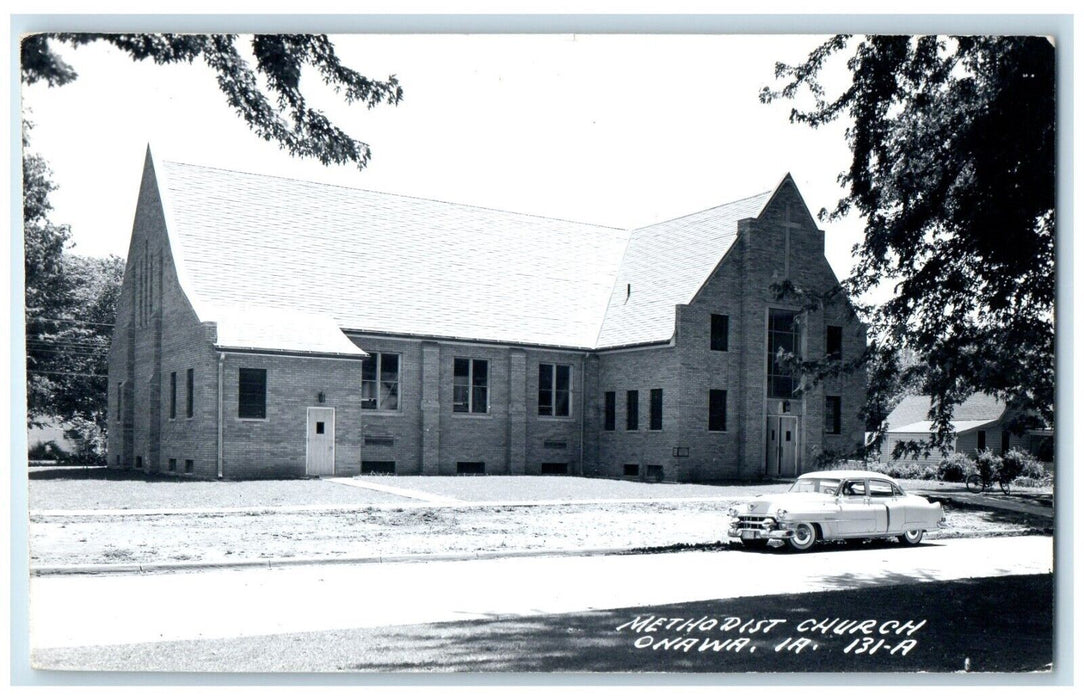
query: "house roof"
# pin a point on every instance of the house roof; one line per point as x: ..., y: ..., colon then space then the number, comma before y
x: 926, y: 427
x: 391, y: 264
x: 914, y: 411
x: 278, y: 330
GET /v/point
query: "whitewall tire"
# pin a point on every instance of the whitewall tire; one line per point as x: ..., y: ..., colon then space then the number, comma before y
x: 805, y: 536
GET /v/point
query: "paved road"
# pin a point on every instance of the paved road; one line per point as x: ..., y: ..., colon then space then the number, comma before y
x: 97, y: 610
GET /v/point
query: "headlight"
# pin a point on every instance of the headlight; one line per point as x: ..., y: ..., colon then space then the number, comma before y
x: 781, y: 514
x: 732, y: 512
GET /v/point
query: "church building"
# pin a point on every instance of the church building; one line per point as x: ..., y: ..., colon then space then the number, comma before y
x: 272, y: 327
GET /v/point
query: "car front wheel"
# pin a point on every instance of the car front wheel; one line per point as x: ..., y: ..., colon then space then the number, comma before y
x: 911, y: 537
x: 804, y: 537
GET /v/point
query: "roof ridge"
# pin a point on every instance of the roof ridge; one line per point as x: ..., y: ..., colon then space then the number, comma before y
x: 701, y: 211
x: 395, y: 194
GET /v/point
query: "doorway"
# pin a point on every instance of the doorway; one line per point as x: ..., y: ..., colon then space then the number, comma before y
x: 782, y: 433
x: 320, y: 442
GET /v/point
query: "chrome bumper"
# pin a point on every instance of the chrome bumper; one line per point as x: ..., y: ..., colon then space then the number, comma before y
x: 760, y: 534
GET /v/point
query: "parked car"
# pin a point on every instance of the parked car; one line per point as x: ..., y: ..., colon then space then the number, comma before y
x: 835, y: 505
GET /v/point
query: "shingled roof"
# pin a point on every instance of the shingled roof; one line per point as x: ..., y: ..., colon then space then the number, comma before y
x: 391, y: 264
x: 913, y: 413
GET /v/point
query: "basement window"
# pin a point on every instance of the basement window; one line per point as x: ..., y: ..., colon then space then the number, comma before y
x: 470, y: 467
x: 552, y: 468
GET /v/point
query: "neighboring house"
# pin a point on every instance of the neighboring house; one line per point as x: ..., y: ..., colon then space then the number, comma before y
x: 275, y: 327
x: 980, y: 423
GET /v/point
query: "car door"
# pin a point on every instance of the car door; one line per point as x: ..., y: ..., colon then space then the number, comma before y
x: 888, y: 511
x: 856, y: 516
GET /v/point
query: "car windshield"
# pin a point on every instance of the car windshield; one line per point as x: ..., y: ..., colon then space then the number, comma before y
x: 828, y: 486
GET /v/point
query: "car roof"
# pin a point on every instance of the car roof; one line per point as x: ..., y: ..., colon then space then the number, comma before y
x: 847, y: 474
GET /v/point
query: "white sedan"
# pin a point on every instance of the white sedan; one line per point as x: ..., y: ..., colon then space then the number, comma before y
x: 835, y: 505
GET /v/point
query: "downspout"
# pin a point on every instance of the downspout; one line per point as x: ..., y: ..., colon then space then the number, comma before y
x: 221, y: 361
x: 583, y: 407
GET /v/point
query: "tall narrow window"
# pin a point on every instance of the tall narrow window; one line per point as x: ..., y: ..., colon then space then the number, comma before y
x: 172, y: 395
x: 380, y: 382
x: 252, y: 393
x: 833, y: 342
x: 120, y: 400
x: 717, y: 410
x: 470, y: 386
x: 782, y: 338
x: 832, y: 420
x: 720, y: 332
x: 611, y: 411
x: 554, y: 389
x: 632, y: 410
x: 981, y: 437
x: 189, y: 393
x: 654, y: 421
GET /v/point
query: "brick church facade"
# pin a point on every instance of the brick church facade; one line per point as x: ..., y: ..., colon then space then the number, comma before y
x: 270, y: 327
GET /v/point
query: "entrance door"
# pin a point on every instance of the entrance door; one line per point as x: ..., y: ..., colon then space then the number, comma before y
x: 782, y: 446
x: 320, y: 442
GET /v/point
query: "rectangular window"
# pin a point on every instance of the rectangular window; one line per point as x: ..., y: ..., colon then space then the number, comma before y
x: 611, y: 410
x: 173, y: 465
x: 470, y: 467
x: 554, y: 389
x: 379, y: 441
x: 832, y: 419
x: 172, y: 395
x: 377, y: 467
x: 717, y: 410
x: 632, y: 470
x: 632, y: 410
x: 189, y: 466
x: 720, y: 332
x: 833, y: 342
x: 189, y: 393
x: 552, y: 468
x: 470, y: 390
x: 982, y: 440
x: 1005, y: 441
x: 120, y: 400
x: 252, y: 393
x: 654, y: 421
x: 380, y: 382
x: 783, y: 336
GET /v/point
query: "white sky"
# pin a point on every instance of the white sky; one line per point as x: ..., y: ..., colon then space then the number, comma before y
x: 610, y: 129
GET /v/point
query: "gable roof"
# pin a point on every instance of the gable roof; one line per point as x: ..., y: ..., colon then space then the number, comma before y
x: 390, y: 264
x: 666, y: 264
x: 913, y: 413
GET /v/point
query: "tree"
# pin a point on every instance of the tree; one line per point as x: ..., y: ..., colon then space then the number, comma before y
x: 71, y: 300
x: 276, y: 110
x: 953, y: 166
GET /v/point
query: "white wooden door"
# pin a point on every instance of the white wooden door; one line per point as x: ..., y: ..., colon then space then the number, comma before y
x: 320, y: 442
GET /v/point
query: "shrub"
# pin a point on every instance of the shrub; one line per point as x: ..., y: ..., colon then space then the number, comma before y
x: 89, y: 440
x: 987, y: 464
x: 955, y: 467
x: 1017, y: 463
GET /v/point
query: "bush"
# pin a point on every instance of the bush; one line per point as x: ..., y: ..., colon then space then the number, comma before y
x: 906, y: 470
x: 1019, y: 464
x: 42, y: 451
x: 955, y: 467
x: 89, y: 440
x: 987, y: 464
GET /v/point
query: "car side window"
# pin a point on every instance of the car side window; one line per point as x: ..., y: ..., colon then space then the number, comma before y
x: 880, y: 489
x: 854, y: 488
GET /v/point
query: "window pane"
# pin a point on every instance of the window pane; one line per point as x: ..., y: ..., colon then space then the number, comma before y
x: 611, y: 410
x: 461, y: 398
x: 481, y: 370
x: 251, y: 393
x: 717, y: 410
x: 389, y: 396
x: 479, y: 402
x: 632, y: 410
x: 368, y: 368
x: 462, y: 368
x: 720, y: 331
x: 545, y: 390
x: 563, y: 402
x: 655, y: 422
x: 564, y: 376
x: 389, y: 368
x: 834, y: 342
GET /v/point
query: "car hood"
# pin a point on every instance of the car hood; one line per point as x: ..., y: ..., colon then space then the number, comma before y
x: 790, y: 501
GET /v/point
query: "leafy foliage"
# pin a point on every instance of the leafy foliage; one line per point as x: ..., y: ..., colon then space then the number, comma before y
x: 953, y: 159
x: 955, y: 467
x: 278, y: 112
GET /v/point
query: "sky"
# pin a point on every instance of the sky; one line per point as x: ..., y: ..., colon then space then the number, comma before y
x: 621, y: 130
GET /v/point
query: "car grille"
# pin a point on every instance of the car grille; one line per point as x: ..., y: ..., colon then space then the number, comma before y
x: 755, y: 522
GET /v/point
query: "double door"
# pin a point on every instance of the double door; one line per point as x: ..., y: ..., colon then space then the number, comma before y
x: 782, y: 433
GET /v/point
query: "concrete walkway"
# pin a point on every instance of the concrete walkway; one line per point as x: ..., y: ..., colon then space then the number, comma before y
x: 395, y: 491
